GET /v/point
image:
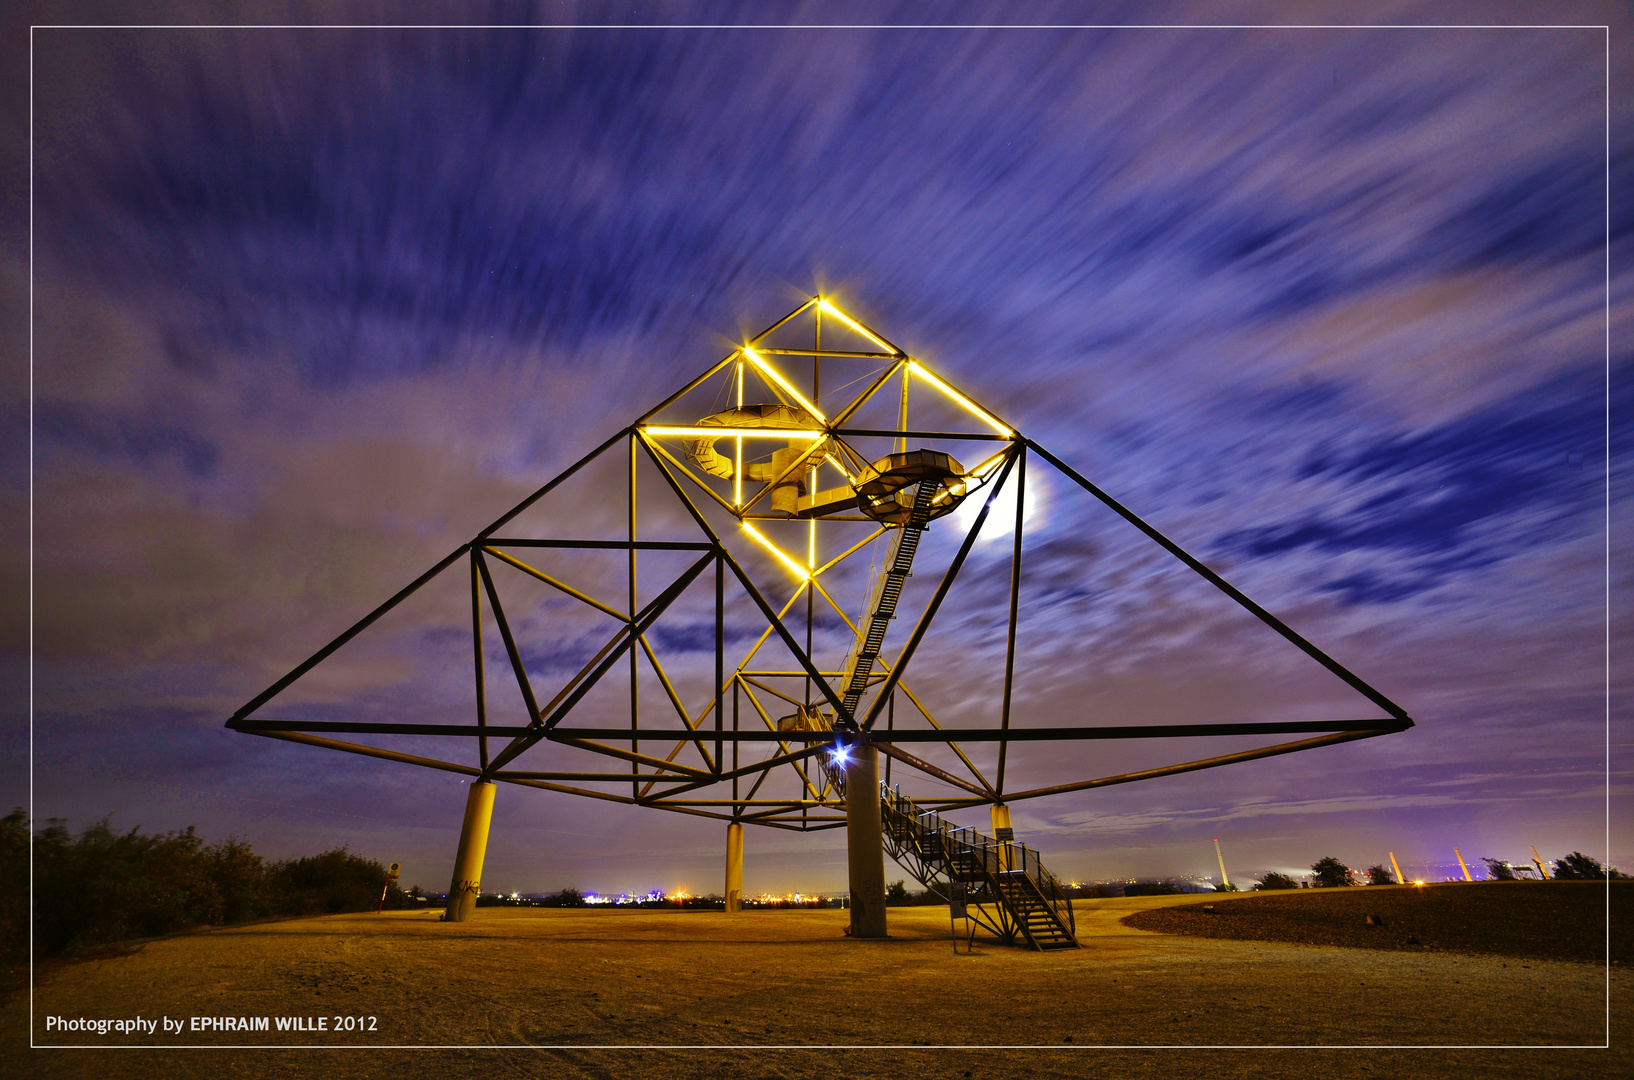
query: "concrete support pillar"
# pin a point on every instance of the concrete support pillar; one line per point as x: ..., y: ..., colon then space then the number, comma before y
x: 467, y: 882
x: 865, y: 847
x: 734, y: 866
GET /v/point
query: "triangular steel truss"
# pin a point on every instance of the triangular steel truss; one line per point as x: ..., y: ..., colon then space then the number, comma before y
x: 713, y: 760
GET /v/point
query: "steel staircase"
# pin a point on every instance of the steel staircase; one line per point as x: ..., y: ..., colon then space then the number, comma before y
x: 1029, y: 905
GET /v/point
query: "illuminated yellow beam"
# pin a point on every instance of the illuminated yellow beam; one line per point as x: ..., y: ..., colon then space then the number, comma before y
x: 733, y: 432
x: 970, y: 406
x: 794, y: 568
x: 777, y: 377
x: 767, y: 332
x: 853, y: 324
x: 987, y: 466
x: 737, y: 472
x: 846, y: 554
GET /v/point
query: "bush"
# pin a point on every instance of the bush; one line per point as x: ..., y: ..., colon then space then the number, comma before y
x: 327, y: 884
x: 241, y: 879
x: 1579, y: 867
x: 14, y: 887
x: 1330, y: 873
x: 1379, y: 874
x: 565, y: 898
x: 896, y: 894
x: 104, y: 886
x: 1499, y: 870
x: 1274, y: 880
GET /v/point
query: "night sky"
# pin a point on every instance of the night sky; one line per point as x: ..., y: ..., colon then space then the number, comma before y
x: 1328, y: 307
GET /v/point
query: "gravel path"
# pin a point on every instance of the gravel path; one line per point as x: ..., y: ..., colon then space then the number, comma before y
x: 763, y: 984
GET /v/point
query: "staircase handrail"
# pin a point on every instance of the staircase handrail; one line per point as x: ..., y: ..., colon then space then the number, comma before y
x: 1049, y: 886
x: 993, y: 856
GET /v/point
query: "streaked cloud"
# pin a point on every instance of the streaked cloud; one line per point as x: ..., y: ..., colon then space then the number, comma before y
x: 1325, y: 306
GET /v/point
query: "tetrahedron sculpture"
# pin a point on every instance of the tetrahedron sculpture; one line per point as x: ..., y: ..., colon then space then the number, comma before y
x: 708, y: 626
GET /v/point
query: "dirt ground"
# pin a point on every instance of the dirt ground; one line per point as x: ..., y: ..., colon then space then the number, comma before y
x: 1543, y: 920
x: 772, y: 993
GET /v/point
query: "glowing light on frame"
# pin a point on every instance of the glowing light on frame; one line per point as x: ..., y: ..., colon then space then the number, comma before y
x: 987, y: 466
x: 739, y: 433
x: 970, y: 406
x: 777, y: 377
x: 737, y: 470
x: 852, y: 323
x: 794, y: 567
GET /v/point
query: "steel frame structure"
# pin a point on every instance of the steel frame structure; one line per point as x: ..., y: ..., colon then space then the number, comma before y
x: 706, y: 743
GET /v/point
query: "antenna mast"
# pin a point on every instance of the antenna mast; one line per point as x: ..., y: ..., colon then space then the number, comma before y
x: 1224, y: 880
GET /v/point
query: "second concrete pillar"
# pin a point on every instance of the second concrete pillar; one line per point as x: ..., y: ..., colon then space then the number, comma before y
x: 734, y: 866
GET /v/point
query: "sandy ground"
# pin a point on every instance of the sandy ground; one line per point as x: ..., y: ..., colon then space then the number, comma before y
x: 759, y: 986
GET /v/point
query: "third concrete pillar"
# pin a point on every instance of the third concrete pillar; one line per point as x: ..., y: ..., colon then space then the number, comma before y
x: 1003, y: 833
x: 467, y: 882
x: 865, y: 849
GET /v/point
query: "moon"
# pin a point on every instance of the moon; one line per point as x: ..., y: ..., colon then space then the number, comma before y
x: 1001, y: 521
